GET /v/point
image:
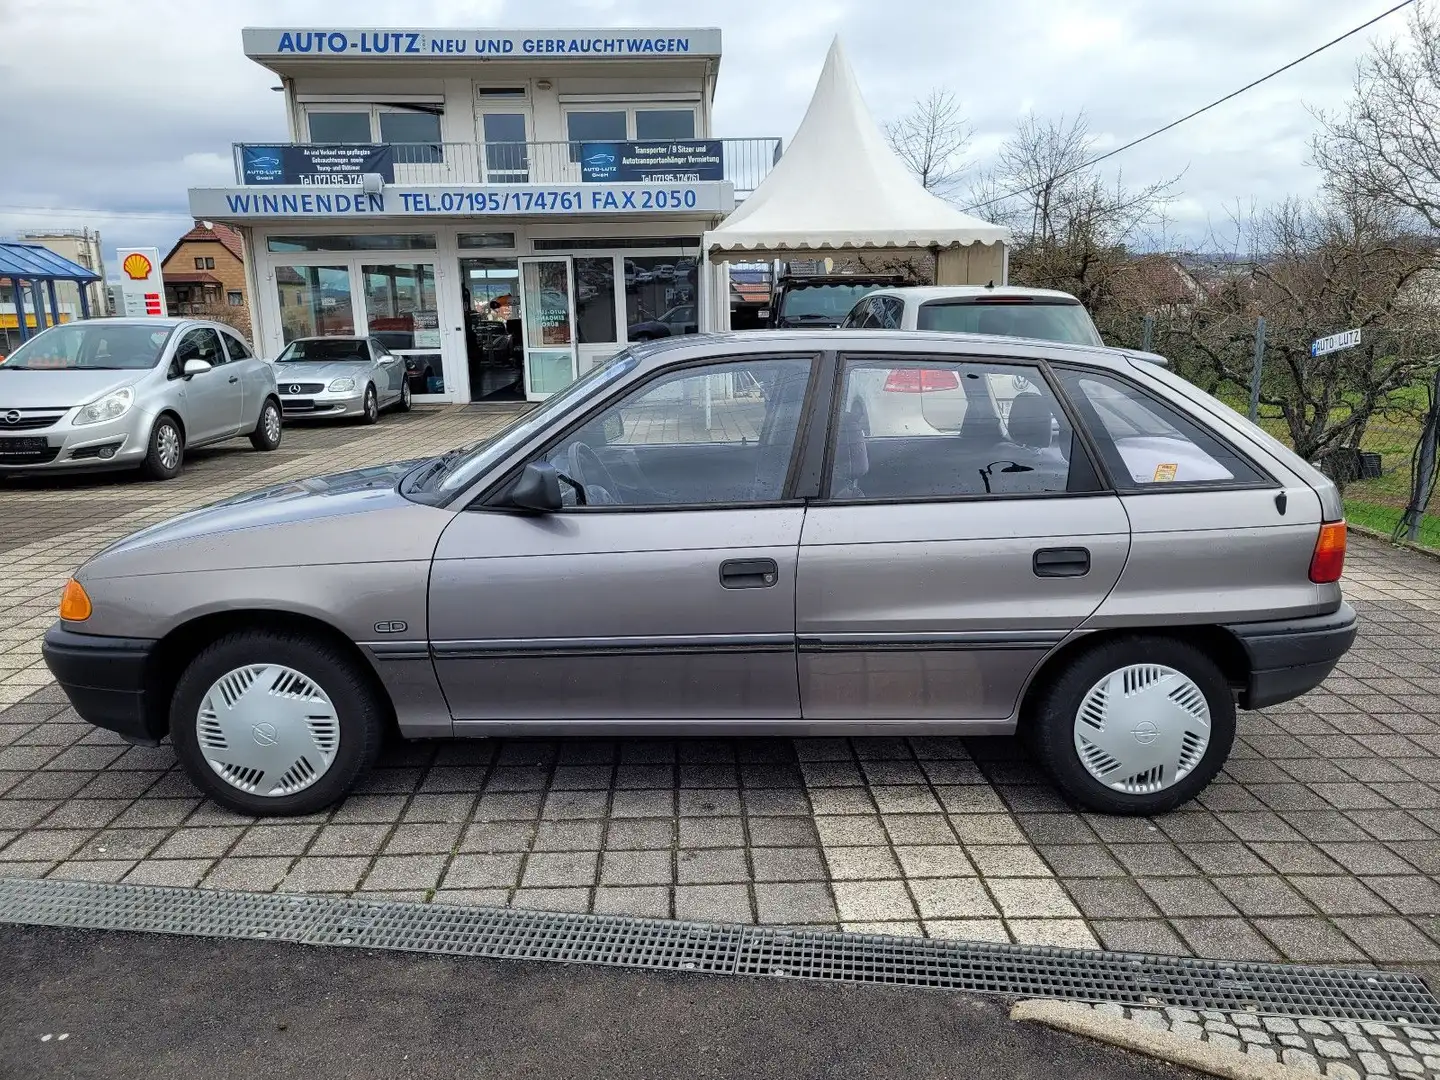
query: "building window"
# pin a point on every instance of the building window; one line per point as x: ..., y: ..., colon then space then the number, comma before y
x: 507, y: 157
x: 664, y: 123
x: 235, y: 299
x: 487, y: 240
x: 209, y: 263
x: 199, y: 263
x: 595, y: 301
x: 415, y: 136
x: 660, y: 297
x: 319, y: 301
x: 355, y: 242
x: 583, y: 127
x: 340, y: 127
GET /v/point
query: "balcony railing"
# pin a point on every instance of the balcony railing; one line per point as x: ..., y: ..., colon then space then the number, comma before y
x: 746, y: 162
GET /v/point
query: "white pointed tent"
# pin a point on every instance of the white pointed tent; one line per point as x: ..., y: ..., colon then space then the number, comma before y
x: 840, y: 188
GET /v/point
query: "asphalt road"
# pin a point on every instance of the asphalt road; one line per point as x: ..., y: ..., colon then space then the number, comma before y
x: 156, y: 1007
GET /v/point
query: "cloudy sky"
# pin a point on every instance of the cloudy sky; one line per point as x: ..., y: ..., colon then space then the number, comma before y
x: 113, y: 109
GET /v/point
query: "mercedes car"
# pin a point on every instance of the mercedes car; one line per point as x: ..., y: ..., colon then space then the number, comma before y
x: 349, y: 378
x: 695, y: 538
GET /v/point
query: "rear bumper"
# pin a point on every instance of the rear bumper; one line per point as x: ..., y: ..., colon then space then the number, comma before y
x: 1292, y: 656
x: 104, y: 678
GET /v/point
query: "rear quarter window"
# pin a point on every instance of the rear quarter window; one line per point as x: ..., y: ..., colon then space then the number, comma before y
x: 1149, y: 445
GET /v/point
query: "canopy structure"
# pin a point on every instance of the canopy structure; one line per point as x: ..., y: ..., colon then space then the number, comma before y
x: 840, y: 187
x: 30, y: 266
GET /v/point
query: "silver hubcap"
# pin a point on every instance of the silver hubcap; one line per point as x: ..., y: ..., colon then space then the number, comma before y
x: 1142, y: 728
x: 405, y: 391
x: 168, y: 443
x: 268, y: 730
x: 370, y: 403
x: 272, y: 423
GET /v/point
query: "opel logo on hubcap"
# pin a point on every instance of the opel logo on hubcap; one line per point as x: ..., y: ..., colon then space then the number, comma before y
x: 1145, y: 732
x: 13, y: 416
x: 264, y: 734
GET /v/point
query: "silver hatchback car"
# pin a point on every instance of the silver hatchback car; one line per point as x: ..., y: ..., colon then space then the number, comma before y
x: 131, y: 393
x: 696, y: 537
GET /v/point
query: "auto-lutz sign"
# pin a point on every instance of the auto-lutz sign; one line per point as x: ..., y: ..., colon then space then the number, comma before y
x: 420, y: 44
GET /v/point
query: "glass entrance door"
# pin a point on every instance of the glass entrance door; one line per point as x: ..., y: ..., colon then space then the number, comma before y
x: 547, y: 302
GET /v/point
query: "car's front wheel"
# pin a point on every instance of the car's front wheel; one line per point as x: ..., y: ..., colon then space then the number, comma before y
x: 1134, y: 725
x: 370, y: 411
x: 273, y: 724
x: 406, y: 402
x: 166, y: 453
x: 268, y: 429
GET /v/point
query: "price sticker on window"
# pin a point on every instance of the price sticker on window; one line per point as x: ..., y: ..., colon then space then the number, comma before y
x: 1165, y: 472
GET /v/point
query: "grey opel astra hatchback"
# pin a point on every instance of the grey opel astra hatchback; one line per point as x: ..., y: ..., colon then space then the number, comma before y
x: 700, y: 536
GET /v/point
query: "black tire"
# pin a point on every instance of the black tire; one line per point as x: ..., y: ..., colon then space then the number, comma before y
x: 164, y: 459
x: 406, y: 402
x: 359, y: 708
x: 370, y: 411
x: 1050, y: 728
x: 269, y: 428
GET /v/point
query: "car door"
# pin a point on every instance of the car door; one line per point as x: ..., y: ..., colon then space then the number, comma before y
x: 255, y: 378
x: 664, y: 590
x: 940, y: 566
x: 390, y: 372
x: 212, y: 399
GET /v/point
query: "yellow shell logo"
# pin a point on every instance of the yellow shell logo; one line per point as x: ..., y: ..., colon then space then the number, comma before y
x: 136, y: 266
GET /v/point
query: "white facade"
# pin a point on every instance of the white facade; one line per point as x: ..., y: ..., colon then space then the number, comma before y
x: 575, y: 166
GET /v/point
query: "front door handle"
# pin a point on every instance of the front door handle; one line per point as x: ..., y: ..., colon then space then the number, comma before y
x: 1062, y: 562
x: 749, y: 573
x: 234, y: 378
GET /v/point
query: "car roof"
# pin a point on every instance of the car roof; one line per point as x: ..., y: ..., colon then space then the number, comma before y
x: 340, y: 337
x: 167, y: 321
x: 789, y: 342
x: 922, y: 293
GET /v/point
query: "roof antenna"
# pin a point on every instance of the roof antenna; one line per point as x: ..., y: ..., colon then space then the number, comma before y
x: 990, y: 284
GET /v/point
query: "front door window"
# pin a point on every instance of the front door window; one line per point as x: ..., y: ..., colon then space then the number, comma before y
x: 314, y: 300
x: 494, y: 347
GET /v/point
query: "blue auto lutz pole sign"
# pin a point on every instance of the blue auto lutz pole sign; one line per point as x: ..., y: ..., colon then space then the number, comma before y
x: 316, y: 164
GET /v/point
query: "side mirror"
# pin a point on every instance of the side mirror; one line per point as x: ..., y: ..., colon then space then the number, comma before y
x: 196, y: 367
x: 538, y: 488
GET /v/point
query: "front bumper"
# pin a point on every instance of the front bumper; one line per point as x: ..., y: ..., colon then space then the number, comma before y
x: 323, y: 405
x: 105, y: 680
x: 1291, y: 657
x: 118, y: 443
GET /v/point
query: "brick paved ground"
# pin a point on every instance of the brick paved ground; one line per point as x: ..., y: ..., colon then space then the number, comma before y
x: 1319, y: 843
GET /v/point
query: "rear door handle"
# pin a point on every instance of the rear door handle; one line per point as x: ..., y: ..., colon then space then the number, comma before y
x: 749, y: 573
x: 1062, y: 562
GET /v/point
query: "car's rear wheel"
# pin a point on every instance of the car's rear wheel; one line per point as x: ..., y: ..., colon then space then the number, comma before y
x: 370, y: 413
x: 268, y: 429
x: 275, y: 724
x: 1135, y: 725
x: 166, y: 455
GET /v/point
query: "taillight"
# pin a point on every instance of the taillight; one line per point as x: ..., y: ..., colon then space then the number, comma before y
x: 920, y: 381
x: 1328, y: 562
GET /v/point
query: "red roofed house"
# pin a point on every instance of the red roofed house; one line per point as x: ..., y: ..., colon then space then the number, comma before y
x: 205, y: 271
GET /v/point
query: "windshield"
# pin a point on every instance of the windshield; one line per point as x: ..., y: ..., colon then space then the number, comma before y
x: 816, y: 302
x: 1027, y: 319
x: 94, y: 346
x: 322, y: 349
x: 470, y: 462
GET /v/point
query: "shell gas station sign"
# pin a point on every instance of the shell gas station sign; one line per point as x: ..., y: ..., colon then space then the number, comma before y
x: 141, y: 284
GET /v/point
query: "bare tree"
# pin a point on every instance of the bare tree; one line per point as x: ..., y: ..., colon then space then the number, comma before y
x: 236, y: 316
x: 1072, y: 228
x: 931, y: 140
x: 1315, y: 267
x: 1385, y: 146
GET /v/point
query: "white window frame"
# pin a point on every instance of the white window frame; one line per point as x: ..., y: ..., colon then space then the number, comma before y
x: 371, y: 109
x: 629, y: 108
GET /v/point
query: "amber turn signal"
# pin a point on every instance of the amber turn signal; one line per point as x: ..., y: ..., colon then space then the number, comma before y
x: 1328, y: 561
x: 74, y: 604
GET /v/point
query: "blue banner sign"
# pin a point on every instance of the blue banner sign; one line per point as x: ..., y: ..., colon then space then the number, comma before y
x: 652, y: 161
x: 316, y: 165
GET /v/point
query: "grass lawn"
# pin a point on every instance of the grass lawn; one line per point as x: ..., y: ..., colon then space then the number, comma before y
x: 1383, y: 519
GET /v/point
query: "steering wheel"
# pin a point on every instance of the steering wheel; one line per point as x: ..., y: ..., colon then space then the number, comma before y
x: 588, y: 467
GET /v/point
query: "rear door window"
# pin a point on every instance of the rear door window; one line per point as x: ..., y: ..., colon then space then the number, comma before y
x: 1146, y: 443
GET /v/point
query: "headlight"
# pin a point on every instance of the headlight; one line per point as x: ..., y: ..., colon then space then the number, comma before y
x: 337, y: 385
x: 110, y: 407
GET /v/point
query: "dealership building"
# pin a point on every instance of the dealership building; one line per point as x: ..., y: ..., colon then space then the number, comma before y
x: 508, y: 207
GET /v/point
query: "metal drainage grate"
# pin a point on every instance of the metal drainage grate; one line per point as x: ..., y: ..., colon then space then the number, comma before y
x: 617, y: 941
